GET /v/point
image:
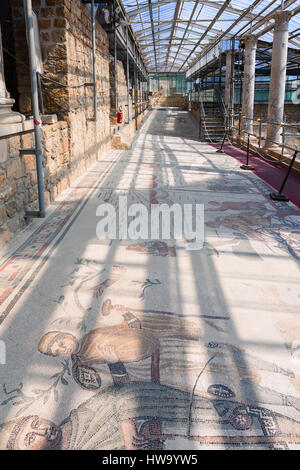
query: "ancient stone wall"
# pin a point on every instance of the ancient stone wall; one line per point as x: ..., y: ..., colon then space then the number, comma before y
x: 66, y: 39
x: 121, y: 85
x: 160, y: 99
x: 123, y: 138
x: 74, y: 142
x: 14, y: 187
x: 122, y: 93
x: 291, y: 112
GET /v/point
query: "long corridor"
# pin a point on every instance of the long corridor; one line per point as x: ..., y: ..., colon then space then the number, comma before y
x: 131, y: 344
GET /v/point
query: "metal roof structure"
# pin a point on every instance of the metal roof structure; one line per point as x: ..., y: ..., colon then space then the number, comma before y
x: 174, y: 35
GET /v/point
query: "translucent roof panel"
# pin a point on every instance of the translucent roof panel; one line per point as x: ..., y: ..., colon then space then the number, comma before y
x: 174, y: 35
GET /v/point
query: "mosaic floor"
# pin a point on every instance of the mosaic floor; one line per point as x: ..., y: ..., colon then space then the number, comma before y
x: 145, y: 344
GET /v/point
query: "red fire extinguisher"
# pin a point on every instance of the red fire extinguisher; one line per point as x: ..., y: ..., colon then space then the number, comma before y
x: 120, y: 116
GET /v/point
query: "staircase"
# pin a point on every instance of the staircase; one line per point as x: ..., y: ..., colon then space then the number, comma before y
x: 212, y: 122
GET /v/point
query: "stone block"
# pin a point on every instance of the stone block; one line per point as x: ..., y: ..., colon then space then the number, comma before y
x: 33, y: 177
x: 3, y: 150
x: 14, y: 147
x: 58, y: 35
x: 117, y: 143
x: 2, y: 215
x: 14, y: 169
x: 49, y: 118
x: 47, y: 198
x: 32, y: 194
x: 17, y: 3
x: 45, y: 37
x: 61, y: 23
x: 44, y: 24
x: 2, y: 178
x: 25, y: 98
x: 11, y: 208
x: 26, y: 141
x: 47, y: 12
x: 5, y: 238
x: 60, y: 11
x: 14, y: 224
x: 17, y: 13
x: 29, y: 162
x: 51, y: 3
x: 64, y: 183
x: 7, y: 192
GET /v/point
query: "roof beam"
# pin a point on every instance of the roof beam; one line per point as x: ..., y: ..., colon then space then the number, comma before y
x: 265, y: 20
x: 179, y: 20
x: 209, y: 28
x: 214, y: 43
x: 198, y: 30
x: 186, y: 29
x: 184, y: 49
x: 152, y: 27
x: 145, y: 43
x: 213, y: 4
x: 269, y: 28
x: 176, y: 13
x: 167, y: 42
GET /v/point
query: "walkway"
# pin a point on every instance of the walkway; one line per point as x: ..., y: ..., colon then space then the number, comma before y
x: 150, y: 344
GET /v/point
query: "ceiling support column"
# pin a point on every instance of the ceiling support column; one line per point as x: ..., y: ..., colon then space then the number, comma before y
x: 278, y: 76
x: 229, y: 58
x: 249, y: 82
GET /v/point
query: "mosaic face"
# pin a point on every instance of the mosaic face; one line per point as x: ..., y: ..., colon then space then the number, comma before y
x: 34, y: 433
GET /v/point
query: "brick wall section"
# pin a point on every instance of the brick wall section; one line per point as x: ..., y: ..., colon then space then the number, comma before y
x: 121, y: 88
x: 73, y: 143
x: 65, y: 30
x: 137, y: 97
x: 14, y: 187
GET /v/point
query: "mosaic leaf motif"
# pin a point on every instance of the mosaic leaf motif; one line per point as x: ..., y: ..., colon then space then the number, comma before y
x: 26, y: 401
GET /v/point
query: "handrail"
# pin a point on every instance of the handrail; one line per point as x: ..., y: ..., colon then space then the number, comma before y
x: 265, y: 121
x: 229, y: 124
x: 225, y: 111
x: 203, y: 115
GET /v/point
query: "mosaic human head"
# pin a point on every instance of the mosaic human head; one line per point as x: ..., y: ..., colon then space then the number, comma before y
x: 29, y: 433
x: 58, y: 343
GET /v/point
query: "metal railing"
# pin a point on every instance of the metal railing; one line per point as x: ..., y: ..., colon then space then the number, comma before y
x: 259, y: 136
x: 215, y: 95
x: 229, y: 122
x: 223, y: 109
x: 202, y: 117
